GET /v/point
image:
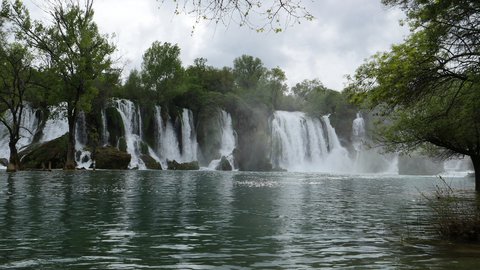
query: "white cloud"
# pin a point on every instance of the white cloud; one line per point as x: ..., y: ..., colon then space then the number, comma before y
x: 343, y: 34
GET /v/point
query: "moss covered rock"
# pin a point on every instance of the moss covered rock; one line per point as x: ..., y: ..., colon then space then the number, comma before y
x: 224, y: 165
x: 115, y: 126
x: 151, y: 163
x: 51, y: 154
x: 111, y: 158
x: 187, y: 166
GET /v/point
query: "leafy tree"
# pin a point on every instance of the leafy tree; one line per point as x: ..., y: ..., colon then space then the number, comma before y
x: 76, y: 51
x: 248, y: 71
x: 273, y: 86
x: 133, y: 87
x: 207, y: 78
x: 162, y: 70
x: 303, y: 89
x: 16, y: 71
x: 429, y: 86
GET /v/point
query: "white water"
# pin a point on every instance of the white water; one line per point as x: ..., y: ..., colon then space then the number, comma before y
x: 366, y: 159
x: 303, y: 143
x: 132, y: 122
x: 29, y: 125
x: 189, y: 137
x: 56, y: 125
x: 82, y: 156
x: 105, y: 134
x: 228, y: 142
x: 168, y: 145
x: 358, y: 133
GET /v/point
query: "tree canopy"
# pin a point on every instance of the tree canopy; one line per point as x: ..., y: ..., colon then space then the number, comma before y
x: 74, y: 50
x: 428, y: 87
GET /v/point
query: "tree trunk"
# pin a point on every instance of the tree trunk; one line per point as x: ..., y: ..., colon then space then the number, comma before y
x: 14, y: 161
x: 70, y: 161
x: 476, y: 168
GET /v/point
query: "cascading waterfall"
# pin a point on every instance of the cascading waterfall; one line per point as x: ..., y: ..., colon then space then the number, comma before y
x: 82, y: 156
x: 56, y: 125
x: 132, y: 122
x: 189, y: 137
x: 228, y: 140
x: 368, y: 160
x: 358, y: 133
x: 105, y: 134
x: 168, y: 145
x: 302, y: 143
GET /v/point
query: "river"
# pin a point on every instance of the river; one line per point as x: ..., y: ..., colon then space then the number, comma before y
x: 222, y: 220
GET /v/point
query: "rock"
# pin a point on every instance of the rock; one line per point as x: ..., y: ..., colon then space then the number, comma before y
x: 111, y: 158
x: 52, y: 154
x: 224, y: 165
x: 187, y: 166
x: 122, y: 144
x: 151, y: 163
x: 4, y: 162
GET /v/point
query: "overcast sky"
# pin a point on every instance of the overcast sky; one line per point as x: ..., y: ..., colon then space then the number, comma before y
x: 343, y: 34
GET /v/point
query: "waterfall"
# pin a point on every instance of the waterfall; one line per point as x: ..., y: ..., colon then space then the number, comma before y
x: 302, y: 143
x: 369, y: 160
x: 189, y: 137
x: 105, y: 134
x: 358, y: 133
x: 132, y: 122
x: 228, y: 141
x: 168, y: 144
x: 56, y: 125
x: 29, y: 126
x: 82, y: 157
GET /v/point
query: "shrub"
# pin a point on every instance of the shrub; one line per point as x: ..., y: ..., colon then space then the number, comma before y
x: 456, y: 213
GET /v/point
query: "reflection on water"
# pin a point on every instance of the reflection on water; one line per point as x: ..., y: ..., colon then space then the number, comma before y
x: 202, y: 219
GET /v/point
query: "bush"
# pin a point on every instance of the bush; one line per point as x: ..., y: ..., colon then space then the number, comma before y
x: 456, y: 213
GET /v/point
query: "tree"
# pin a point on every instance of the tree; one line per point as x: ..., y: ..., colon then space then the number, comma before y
x: 274, y: 86
x: 248, y: 71
x: 429, y: 86
x: 207, y: 78
x: 162, y: 70
x: 16, y: 71
x: 274, y: 14
x: 74, y: 48
x: 303, y: 89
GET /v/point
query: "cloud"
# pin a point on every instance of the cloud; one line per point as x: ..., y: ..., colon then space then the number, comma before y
x: 343, y: 34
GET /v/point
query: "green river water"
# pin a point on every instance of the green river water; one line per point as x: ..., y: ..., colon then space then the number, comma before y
x: 222, y: 220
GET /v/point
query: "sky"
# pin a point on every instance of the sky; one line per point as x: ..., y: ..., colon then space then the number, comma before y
x: 342, y: 35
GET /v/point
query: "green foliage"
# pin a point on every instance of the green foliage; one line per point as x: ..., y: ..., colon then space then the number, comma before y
x: 162, y: 70
x: 428, y: 86
x: 456, y: 213
x: 73, y: 49
x: 248, y: 71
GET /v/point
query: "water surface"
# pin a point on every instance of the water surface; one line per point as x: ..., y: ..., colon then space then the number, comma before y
x: 222, y: 220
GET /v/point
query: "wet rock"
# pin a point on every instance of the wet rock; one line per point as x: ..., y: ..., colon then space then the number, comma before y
x: 111, y: 158
x: 187, y: 166
x: 224, y: 165
x: 151, y: 163
x: 52, y: 154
